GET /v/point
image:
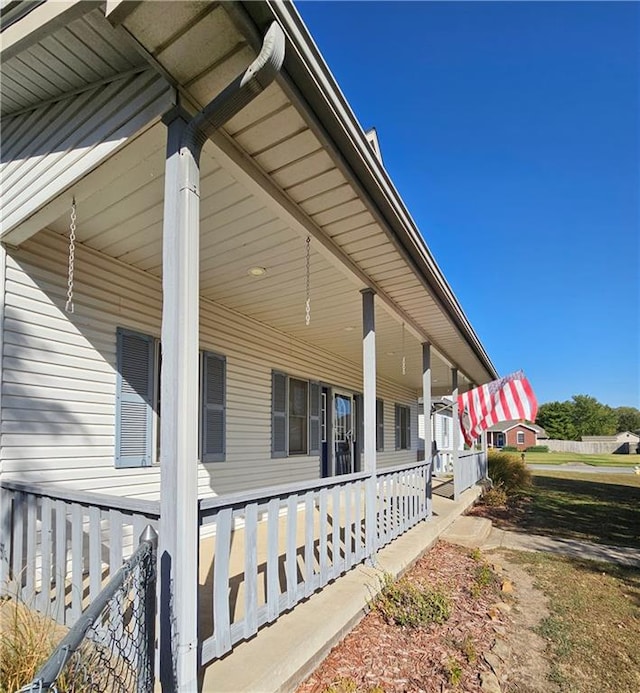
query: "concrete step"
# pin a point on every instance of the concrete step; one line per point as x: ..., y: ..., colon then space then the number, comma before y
x: 471, y: 532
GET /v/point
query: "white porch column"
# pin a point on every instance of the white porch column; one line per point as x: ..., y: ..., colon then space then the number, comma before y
x: 369, y: 412
x: 178, y: 549
x: 426, y: 415
x: 455, y: 427
x: 5, y: 515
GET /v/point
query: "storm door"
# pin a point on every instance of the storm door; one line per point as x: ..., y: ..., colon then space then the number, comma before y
x: 343, y: 432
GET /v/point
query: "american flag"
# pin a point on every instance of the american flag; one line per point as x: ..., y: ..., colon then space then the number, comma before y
x: 506, y: 399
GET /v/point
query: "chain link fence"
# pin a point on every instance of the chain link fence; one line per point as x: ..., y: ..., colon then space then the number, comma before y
x: 111, y: 647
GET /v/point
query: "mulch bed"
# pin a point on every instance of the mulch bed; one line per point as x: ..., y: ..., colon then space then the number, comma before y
x: 514, y: 516
x: 377, y: 656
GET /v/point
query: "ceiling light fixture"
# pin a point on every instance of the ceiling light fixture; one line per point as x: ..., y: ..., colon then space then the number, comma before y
x: 256, y: 271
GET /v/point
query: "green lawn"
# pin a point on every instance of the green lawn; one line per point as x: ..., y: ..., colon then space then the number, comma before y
x: 604, y: 508
x: 581, y: 458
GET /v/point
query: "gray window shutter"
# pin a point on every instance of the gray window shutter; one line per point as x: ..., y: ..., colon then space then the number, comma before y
x: 407, y: 413
x: 278, y: 414
x: 398, y: 425
x: 213, y: 407
x: 134, y: 399
x: 314, y: 418
x: 379, y: 425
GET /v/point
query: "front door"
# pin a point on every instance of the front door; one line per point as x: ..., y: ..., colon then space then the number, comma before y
x: 343, y: 432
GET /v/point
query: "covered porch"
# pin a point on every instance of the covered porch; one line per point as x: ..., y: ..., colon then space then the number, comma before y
x: 280, y: 261
x: 272, y: 550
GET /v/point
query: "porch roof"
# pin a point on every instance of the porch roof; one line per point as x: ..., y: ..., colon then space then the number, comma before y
x: 294, y: 163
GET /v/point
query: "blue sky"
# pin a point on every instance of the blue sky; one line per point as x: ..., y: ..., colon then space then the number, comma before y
x: 511, y: 130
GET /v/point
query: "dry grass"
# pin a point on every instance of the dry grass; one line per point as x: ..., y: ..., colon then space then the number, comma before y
x: 593, y: 631
x: 27, y: 638
x: 602, y: 507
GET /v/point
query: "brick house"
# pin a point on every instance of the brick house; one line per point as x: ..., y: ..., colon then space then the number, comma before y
x: 517, y: 434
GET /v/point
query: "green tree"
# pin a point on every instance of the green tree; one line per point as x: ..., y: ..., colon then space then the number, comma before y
x: 582, y: 415
x: 628, y: 419
x: 592, y: 418
x: 557, y: 420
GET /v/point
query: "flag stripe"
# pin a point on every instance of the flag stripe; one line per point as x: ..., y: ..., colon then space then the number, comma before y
x: 506, y: 399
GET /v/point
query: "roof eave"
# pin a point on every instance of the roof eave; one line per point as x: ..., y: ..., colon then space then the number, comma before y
x: 307, y: 69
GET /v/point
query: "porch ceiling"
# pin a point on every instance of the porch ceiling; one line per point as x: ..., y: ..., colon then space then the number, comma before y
x: 81, y: 53
x: 122, y: 218
x: 269, y: 179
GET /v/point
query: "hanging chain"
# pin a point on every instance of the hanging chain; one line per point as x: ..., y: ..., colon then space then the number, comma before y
x: 72, y: 257
x: 404, y: 360
x: 307, y: 317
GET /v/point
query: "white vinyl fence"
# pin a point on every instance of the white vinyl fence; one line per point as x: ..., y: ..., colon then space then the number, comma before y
x: 590, y: 447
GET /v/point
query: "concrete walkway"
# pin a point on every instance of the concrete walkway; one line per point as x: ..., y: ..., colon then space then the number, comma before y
x: 284, y: 653
x: 589, y: 469
x: 477, y: 532
x: 502, y: 539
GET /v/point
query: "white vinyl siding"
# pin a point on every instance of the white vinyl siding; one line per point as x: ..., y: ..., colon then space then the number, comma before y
x: 59, y: 377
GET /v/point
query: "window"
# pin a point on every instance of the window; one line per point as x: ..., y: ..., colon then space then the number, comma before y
x: 295, y: 416
x: 520, y: 438
x: 379, y: 425
x: 298, y: 416
x: 403, y: 427
x: 138, y: 362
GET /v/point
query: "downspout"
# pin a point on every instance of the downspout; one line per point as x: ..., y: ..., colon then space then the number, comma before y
x: 178, y: 554
x: 233, y: 98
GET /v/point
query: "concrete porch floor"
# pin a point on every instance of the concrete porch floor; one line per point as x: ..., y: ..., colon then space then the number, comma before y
x: 285, y: 652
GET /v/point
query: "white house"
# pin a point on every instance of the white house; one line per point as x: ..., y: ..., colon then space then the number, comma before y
x: 216, y: 309
x: 445, y: 441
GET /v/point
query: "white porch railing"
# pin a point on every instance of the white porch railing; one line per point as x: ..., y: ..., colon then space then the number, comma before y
x: 261, y: 552
x: 58, y: 546
x: 468, y: 470
x: 274, y: 547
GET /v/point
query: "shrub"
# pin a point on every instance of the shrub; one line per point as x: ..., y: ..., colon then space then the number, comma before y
x: 407, y: 604
x: 538, y: 448
x: 468, y: 649
x: 453, y: 670
x: 509, y: 448
x: 344, y: 685
x: 495, y: 497
x: 509, y: 471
